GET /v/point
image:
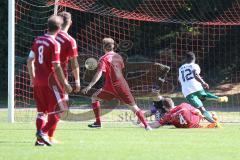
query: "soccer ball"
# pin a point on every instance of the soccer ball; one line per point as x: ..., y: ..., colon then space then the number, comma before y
x: 91, y: 64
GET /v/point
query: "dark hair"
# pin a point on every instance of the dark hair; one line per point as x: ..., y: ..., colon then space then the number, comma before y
x: 168, y: 103
x: 54, y: 23
x: 67, y: 18
x: 108, y: 44
x: 189, y: 57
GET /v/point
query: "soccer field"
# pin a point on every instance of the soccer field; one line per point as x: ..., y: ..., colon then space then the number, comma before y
x: 178, y: 49
x: 121, y: 141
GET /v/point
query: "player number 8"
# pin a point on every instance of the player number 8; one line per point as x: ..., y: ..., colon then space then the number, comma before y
x: 40, y: 54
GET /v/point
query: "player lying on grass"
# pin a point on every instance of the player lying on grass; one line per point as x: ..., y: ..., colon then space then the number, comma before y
x: 193, y: 86
x: 182, y: 116
x: 115, y: 86
x: 45, y: 73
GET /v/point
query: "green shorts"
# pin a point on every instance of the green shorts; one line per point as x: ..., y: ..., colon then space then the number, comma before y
x: 195, y: 99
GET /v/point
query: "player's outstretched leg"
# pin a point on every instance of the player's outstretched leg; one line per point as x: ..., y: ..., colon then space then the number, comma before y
x: 140, y: 116
x: 215, y: 117
x: 197, y: 103
x: 223, y: 99
x: 211, y: 96
x: 97, y: 112
x: 214, y: 125
x: 207, y: 115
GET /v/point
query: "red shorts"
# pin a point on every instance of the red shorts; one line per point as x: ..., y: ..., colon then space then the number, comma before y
x: 49, y: 98
x: 121, y: 92
x: 195, y: 123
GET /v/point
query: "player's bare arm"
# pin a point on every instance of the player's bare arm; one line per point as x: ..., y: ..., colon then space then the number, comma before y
x: 199, y: 78
x: 62, y: 78
x: 31, y: 70
x: 75, y: 71
x: 95, y: 79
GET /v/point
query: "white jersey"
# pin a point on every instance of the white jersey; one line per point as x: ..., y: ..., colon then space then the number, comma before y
x: 187, y: 79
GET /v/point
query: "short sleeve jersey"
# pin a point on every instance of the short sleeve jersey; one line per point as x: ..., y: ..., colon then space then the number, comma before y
x: 112, y: 64
x: 68, y: 49
x: 187, y: 79
x: 46, y: 51
x: 182, y: 116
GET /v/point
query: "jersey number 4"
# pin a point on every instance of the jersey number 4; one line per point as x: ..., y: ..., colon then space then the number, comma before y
x: 182, y: 120
x: 187, y: 75
x: 40, y: 54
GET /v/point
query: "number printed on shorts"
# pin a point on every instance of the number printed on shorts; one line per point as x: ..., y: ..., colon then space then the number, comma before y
x: 40, y: 54
x: 187, y: 75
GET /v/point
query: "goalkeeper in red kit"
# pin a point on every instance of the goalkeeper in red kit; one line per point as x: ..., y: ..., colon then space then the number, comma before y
x: 45, y: 73
x: 115, y: 86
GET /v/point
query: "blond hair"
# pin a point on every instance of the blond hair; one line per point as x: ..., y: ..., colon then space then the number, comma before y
x: 67, y: 18
x: 108, y: 44
x: 168, y: 103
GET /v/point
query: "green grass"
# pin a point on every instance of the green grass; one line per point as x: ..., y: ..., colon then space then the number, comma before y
x: 120, y: 142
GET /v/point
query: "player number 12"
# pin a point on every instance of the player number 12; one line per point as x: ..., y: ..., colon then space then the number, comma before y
x: 187, y: 75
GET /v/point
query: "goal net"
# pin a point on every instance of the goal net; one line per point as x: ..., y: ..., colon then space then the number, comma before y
x: 151, y: 35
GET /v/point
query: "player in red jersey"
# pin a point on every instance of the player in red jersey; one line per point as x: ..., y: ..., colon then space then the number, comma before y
x: 44, y: 66
x: 181, y: 116
x: 115, y: 84
x: 68, y: 53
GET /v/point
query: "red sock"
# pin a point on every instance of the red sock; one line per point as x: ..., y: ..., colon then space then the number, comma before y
x: 96, y: 110
x: 55, y: 118
x: 141, y: 118
x: 52, y: 121
x: 40, y: 122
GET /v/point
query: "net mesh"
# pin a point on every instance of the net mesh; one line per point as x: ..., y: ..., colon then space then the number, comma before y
x: 151, y: 34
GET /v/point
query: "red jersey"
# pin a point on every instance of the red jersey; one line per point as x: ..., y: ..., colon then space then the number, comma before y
x: 68, y: 49
x: 182, y: 116
x: 112, y: 64
x: 46, y: 51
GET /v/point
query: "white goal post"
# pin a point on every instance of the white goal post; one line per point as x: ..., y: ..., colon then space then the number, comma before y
x: 11, y: 58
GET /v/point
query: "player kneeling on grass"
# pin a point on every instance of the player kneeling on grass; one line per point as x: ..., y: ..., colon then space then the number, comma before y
x: 115, y: 85
x: 193, y: 86
x: 45, y: 73
x: 181, y: 116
